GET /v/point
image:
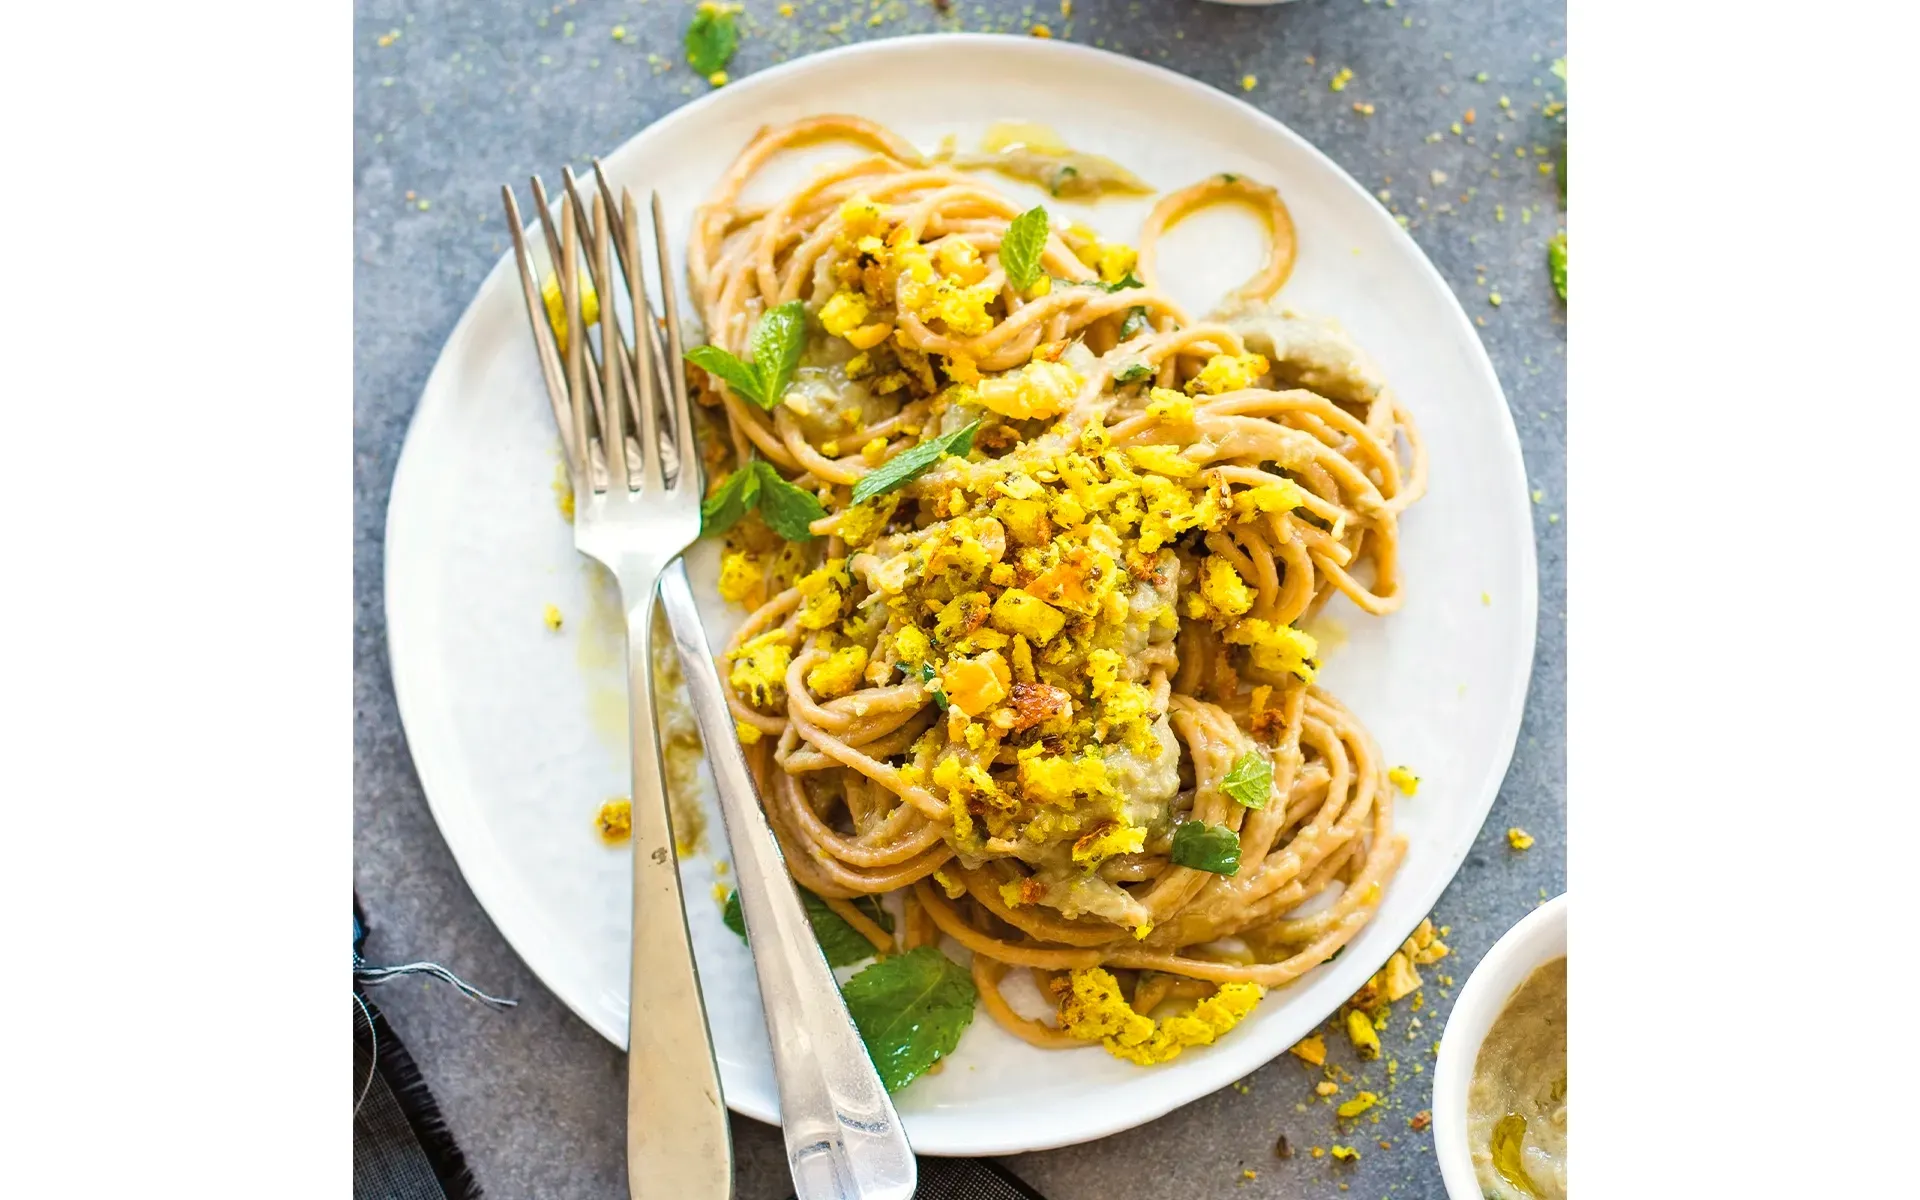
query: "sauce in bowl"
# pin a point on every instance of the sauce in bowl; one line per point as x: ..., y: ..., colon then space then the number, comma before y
x: 1517, y: 1101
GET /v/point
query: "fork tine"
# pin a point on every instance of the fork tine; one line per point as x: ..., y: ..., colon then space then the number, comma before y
x: 604, y: 284
x: 553, y: 248
x: 616, y: 431
x: 647, y: 401
x: 569, y: 271
x: 543, y: 340
x: 633, y: 266
x: 544, y: 207
x: 676, y: 369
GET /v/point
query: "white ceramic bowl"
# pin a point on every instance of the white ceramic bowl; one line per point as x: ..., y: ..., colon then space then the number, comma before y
x: 1540, y: 937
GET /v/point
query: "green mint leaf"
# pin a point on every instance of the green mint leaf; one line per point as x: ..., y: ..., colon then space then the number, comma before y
x: 1206, y: 847
x: 1129, y: 280
x: 871, y: 906
x: 711, y: 39
x: 841, y: 943
x: 911, y: 1010
x: 909, y: 465
x: 1250, y: 781
x: 743, y: 379
x: 1020, y: 249
x: 787, y: 508
x: 1132, y: 374
x: 1135, y: 324
x: 1557, y: 263
x: 733, y: 499
x: 777, y: 342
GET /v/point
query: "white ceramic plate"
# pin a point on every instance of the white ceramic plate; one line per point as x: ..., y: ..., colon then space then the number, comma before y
x: 519, y: 733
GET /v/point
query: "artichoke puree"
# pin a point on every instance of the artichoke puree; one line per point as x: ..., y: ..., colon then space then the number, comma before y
x: 1517, y: 1102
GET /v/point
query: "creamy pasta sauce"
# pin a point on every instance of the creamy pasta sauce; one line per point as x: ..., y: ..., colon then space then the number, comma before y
x: 1517, y: 1102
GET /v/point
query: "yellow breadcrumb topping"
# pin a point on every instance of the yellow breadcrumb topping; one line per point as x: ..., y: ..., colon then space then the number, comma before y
x: 1227, y: 373
x: 1037, y: 390
x: 553, y: 618
x: 1279, y: 649
x: 1163, y: 460
x: 1092, y: 1008
x: 1107, y: 841
x: 1519, y: 838
x: 1223, y: 594
x: 615, y: 820
x: 1359, y: 1104
x: 1366, y: 1043
x: 1405, y: 780
x: 740, y: 577
x: 1027, y: 615
x: 760, y: 667
x: 557, y: 307
x: 840, y: 673
x: 1032, y: 586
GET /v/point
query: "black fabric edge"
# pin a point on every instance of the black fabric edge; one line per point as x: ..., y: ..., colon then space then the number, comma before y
x: 409, y: 1088
x: 989, y: 1166
x: 1011, y: 1180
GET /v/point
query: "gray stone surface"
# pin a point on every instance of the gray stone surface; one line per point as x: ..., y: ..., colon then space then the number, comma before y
x: 475, y: 92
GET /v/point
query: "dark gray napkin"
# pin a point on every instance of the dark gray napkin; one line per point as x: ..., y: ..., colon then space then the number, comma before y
x: 403, y: 1151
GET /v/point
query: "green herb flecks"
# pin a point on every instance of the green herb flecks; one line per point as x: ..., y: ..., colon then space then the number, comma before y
x: 1557, y: 263
x: 1206, y: 847
x: 711, y: 39
x: 1250, y: 780
x: 911, y: 1010
x: 1132, y: 374
x: 777, y: 341
x: 732, y: 917
x: 1135, y: 324
x: 909, y: 465
x: 1020, y: 249
x: 1129, y: 280
x: 939, y: 694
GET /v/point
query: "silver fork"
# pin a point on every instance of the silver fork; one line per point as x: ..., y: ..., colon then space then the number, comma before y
x: 843, y: 1137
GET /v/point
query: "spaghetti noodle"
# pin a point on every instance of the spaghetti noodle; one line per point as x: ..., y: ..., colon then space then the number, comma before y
x: 1052, y: 691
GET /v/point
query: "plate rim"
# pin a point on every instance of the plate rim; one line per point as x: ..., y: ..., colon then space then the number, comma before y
x: 1220, y: 1070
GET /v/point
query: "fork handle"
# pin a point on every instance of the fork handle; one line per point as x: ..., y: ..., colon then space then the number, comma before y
x: 844, y: 1140
x: 678, y: 1144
